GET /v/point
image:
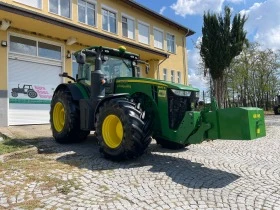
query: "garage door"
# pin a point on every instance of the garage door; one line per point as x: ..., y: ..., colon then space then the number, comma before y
x: 31, y: 86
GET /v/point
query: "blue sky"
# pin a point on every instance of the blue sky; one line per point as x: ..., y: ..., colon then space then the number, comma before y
x: 263, y: 24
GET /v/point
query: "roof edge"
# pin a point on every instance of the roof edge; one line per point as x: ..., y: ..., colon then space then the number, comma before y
x: 48, y: 19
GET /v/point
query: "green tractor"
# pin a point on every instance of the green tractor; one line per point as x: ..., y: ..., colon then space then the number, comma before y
x: 126, y: 112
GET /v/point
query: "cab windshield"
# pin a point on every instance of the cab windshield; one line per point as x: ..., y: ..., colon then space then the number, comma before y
x: 117, y: 67
x: 112, y: 68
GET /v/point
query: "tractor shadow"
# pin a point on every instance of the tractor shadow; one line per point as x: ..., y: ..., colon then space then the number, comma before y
x: 156, y: 160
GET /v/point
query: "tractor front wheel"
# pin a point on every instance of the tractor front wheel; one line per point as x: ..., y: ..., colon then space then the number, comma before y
x: 14, y: 94
x: 120, y: 130
x: 65, y: 119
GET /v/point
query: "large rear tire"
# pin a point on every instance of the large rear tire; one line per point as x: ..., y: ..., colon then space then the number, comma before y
x: 65, y: 119
x: 120, y: 130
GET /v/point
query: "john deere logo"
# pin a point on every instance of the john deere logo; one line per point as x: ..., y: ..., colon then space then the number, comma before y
x: 162, y: 93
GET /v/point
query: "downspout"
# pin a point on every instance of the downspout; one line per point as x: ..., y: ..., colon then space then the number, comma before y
x: 159, y: 65
x: 184, y: 56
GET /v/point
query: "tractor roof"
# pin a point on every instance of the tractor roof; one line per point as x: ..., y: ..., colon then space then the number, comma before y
x: 114, y: 52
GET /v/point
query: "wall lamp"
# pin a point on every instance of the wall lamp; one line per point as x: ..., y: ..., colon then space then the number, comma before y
x: 68, y: 55
x: 4, y: 43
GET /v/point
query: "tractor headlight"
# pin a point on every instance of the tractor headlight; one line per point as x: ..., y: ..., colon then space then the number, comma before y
x: 181, y: 92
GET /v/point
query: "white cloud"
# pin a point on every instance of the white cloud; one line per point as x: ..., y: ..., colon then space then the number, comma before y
x: 198, y: 81
x: 192, y: 7
x: 196, y: 78
x: 162, y: 10
x: 236, y: 1
x: 264, y: 23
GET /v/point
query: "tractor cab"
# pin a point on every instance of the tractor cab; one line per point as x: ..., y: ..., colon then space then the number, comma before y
x: 112, y: 63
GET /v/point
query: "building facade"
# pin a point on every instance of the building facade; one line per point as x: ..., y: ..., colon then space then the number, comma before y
x: 38, y: 38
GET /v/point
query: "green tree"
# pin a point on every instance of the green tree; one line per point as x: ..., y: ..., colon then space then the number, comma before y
x: 253, y: 79
x: 221, y: 42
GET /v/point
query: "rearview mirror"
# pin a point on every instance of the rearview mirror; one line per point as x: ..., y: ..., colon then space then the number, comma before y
x: 81, y: 58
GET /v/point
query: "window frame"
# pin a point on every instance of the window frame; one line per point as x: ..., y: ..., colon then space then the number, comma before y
x: 109, y: 9
x: 179, y: 77
x: 37, y: 40
x: 138, y: 72
x: 164, y: 74
x: 132, y: 19
x: 172, y: 76
x: 95, y: 12
x: 24, y: 3
x: 73, y: 60
x: 59, y: 9
x: 149, y: 32
x: 162, y: 40
x: 174, y: 42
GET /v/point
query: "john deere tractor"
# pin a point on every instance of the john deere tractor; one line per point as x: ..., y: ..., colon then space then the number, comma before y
x: 126, y: 112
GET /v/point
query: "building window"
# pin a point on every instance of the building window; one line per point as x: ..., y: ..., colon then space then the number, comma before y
x: 22, y: 45
x: 86, y: 12
x: 165, y: 74
x: 32, y: 3
x: 144, y: 33
x: 109, y: 22
x: 49, y: 51
x: 170, y: 43
x: 75, y: 67
x: 179, y: 77
x: 60, y: 7
x: 158, y: 39
x: 35, y: 48
x: 172, y: 75
x: 138, y: 71
x: 128, y: 27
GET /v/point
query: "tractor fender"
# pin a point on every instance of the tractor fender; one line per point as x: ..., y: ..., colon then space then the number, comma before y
x: 107, y: 98
x: 77, y: 91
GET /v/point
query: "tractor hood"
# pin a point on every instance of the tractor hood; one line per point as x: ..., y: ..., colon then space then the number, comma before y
x: 163, y: 83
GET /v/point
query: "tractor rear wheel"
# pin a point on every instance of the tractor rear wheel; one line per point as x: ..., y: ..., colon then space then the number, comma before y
x: 170, y: 144
x: 65, y: 119
x: 32, y: 94
x: 120, y: 130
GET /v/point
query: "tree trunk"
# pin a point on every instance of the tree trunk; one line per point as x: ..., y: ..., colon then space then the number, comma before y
x: 219, y: 92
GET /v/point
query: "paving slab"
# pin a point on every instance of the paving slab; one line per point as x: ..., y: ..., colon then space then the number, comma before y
x: 211, y: 175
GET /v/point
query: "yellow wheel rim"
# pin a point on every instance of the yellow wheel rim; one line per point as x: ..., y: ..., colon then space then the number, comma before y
x: 112, y: 131
x: 58, y: 117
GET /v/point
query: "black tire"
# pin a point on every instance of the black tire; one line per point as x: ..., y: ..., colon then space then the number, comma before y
x: 32, y: 94
x: 170, y: 144
x: 67, y: 130
x: 131, y: 141
x: 277, y: 110
x: 15, y: 94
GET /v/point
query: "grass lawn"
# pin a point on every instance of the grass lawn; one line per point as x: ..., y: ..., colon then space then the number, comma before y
x: 9, y: 145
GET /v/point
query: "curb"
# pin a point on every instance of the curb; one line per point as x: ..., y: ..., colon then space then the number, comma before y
x: 8, y: 156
